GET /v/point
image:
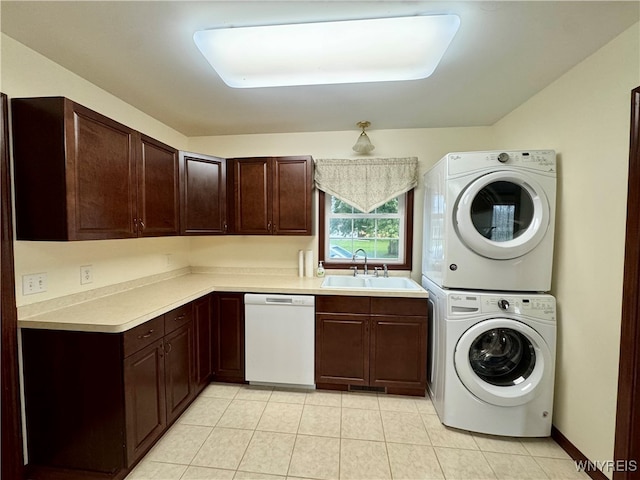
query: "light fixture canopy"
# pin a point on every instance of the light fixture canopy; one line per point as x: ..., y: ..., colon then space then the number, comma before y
x: 350, y: 51
x: 363, y: 145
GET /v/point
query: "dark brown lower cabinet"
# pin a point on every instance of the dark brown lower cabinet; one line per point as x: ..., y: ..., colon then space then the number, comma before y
x: 342, y: 349
x: 145, y: 404
x: 228, y: 337
x: 96, y: 402
x: 75, y: 415
x: 178, y: 365
x: 202, y: 324
x: 398, y: 352
x: 371, y: 342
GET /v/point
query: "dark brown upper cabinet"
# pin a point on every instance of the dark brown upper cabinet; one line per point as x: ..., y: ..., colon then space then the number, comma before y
x: 82, y: 176
x: 158, y: 189
x: 271, y: 195
x: 204, y: 194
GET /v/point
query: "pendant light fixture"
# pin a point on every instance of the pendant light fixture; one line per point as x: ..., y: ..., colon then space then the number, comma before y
x: 363, y: 145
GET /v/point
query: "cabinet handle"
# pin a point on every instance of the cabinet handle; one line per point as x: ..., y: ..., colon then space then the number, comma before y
x: 170, y: 348
x: 180, y: 317
x: 269, y: 227
x: 146, y: 335
x: 135, y: 225
x: 142, y: 226
x: 225, y: 227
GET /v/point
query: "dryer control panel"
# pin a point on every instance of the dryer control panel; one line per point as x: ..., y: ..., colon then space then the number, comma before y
x: 463, y: 163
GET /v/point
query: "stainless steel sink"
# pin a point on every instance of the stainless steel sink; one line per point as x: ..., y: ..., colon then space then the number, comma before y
x: 369, y: 283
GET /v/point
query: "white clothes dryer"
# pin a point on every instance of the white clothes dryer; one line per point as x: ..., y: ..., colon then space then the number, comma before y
x: 489, y: 220
x: 491, y: 364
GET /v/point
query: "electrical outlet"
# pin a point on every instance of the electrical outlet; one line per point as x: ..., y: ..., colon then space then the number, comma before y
x: 169, y: 260
x: 86, y: 274
x: 34, y: 283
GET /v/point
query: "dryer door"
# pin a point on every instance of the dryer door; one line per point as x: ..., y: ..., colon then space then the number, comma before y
x: 502, y: 215
x: 503, y: 362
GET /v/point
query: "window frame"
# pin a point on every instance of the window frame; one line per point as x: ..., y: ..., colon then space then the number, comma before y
x: 406, y: 264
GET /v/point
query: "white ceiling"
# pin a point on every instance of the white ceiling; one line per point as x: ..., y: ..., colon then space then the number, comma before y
x: 143, y: 53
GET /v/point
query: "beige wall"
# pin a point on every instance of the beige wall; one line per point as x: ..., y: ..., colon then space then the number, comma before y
x: 429, y: 145
x: 26, y: 73
x: 584, y: 116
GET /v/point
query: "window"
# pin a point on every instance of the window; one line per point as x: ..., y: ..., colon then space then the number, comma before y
x: 385, y: 234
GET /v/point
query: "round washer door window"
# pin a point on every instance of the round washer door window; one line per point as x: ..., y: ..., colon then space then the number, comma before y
x: 503, y: 362
x: 502, y: 215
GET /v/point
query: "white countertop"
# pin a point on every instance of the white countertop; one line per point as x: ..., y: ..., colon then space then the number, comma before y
x: 124, y: 310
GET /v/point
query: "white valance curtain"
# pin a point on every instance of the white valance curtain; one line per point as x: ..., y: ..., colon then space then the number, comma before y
x: 366, y: 183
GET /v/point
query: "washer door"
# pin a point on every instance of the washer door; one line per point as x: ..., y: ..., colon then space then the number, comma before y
x: 503, y: 362
x: 502, y: 215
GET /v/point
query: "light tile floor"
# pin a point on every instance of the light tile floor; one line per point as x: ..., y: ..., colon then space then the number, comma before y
x: 244, y: 432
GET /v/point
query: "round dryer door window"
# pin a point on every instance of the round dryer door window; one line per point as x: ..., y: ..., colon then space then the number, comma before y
x: 503, y: 362
x: 502, y: 215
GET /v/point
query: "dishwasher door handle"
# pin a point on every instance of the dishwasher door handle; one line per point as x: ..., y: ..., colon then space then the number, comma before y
x: 279, y: 300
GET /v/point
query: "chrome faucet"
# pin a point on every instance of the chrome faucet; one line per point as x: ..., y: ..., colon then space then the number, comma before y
x: 355, y: 254
x: 383, y: 268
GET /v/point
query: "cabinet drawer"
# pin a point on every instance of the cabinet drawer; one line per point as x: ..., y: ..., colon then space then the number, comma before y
x: 342, y: 304
x: 143, y: 335
x: 178, y: 317
x: 399, y: 306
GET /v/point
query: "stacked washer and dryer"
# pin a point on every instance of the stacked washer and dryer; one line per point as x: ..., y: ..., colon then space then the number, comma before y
x: 487, y: 260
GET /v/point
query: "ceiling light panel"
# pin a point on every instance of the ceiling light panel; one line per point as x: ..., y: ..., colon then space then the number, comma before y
x: 375, y: 50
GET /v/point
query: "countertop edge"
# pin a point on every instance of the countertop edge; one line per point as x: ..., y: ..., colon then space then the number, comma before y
x: 138, y: 305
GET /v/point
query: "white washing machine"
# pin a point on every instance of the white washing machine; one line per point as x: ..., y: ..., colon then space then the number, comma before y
x: 489, y: 220
x: 491, y: 364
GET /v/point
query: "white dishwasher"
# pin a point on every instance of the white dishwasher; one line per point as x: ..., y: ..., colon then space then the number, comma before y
x: 280, y: 339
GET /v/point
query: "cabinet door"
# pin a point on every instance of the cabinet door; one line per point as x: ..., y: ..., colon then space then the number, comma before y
x: 203, y: 358
x: 252, y: 196
x: 228, y: 337
x: 398, y: 351
x: 342, y: 349
x: 158, y: 189
x: 292, y: 185
x: 100, y: 175
x: 73, y: 400
x: 178, y: 363
x: 204, y: 194
x: 144, y: 381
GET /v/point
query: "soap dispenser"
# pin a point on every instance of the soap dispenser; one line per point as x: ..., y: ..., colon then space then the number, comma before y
x: 320, y: 271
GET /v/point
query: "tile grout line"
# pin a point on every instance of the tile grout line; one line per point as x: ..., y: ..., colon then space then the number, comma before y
x: 340, y: 441
x: 296, y: 438
x: 384, y: 436
x: 495, y: 473
x: 433, y: 447
x: 254, y: 429
x: 211, y: 433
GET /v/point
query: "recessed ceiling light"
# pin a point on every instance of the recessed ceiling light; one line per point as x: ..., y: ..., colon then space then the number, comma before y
x: 351, y: 51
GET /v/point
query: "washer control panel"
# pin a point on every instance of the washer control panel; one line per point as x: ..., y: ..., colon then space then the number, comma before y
x: 469, y: 303
x: 538, y: 306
